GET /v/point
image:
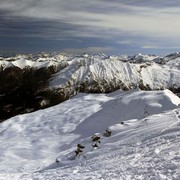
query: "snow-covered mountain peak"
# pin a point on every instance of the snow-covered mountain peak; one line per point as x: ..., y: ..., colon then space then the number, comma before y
x: 140, y: 58
x: 172, y: 56
x: 111, y: 73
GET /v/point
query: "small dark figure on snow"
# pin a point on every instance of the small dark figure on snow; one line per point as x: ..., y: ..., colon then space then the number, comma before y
x: 94, y: 145
x: 107, y: 133
x: 80, y: 146
x: 95, y: 139
x: 79, y: 150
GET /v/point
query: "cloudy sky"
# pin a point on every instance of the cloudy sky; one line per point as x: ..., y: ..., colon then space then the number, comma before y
x: 78, y: 26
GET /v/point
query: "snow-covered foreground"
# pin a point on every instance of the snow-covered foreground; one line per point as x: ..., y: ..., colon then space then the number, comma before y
x: 145, y: 146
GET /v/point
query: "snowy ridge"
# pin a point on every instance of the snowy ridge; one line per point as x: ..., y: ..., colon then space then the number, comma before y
x: 145, y: 145
x: 107, y: 75
x: 24, y: 63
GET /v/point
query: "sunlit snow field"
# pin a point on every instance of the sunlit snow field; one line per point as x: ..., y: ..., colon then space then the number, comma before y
x: 145, y: 146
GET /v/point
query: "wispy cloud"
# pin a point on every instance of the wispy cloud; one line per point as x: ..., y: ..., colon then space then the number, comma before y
x: 132, y: 22
x: 88, y: 50
x: 159, y: 47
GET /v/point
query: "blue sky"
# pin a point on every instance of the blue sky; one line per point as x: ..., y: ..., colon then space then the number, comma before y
x: 79, y: 26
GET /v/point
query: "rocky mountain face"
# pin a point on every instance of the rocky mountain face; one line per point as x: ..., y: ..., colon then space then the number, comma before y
x: 31, y: 82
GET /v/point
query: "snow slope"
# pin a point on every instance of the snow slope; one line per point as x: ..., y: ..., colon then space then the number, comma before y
x: 145, y: 146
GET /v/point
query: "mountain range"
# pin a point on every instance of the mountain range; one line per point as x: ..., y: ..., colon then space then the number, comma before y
x: 35, y: 81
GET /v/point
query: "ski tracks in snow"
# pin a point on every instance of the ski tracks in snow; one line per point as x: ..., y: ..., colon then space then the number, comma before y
x: 138, y: 150
x: 163, y: 148
x: 149, y: 150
